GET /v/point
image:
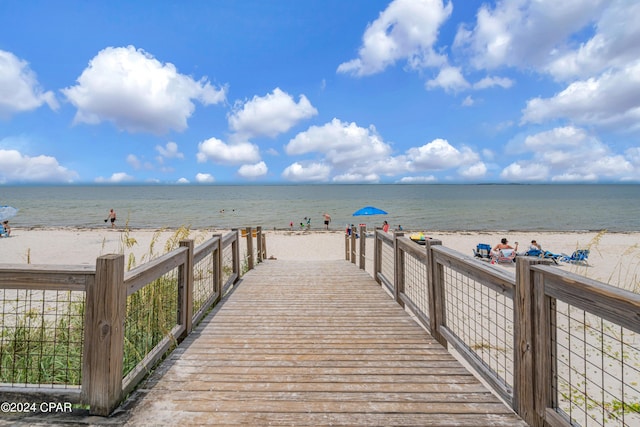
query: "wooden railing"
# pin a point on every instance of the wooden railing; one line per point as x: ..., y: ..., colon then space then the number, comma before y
x: 559, y: 348
x: 110, y: 307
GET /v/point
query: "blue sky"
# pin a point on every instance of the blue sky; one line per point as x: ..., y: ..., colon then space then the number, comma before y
x: 319, y: 91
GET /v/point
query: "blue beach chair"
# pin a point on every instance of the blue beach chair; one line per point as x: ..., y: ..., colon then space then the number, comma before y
x: 543, y: 254
x: 533, y: 252
x: 483, y: 251
x: 578, y: 257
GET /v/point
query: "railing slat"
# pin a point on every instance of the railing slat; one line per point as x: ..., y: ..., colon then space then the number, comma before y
x: 45, y: 277
x: 137, y: 278
x: 614, y: 304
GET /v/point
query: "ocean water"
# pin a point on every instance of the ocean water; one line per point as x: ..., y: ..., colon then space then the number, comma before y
x: 415, y: 207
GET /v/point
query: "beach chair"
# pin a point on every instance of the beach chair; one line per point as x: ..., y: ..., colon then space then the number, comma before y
x: 483, y: 251
x: 578, y: 257
x: 504, y: 256
x: 543, y: 254
x: 550, y: 255
x: 533, y: 252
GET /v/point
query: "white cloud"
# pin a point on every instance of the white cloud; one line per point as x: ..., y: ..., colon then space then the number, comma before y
x: 169, y: 151
x: 19, y: 87
x: 358, y: 154
x: 468, y: 101
x: 346, y: 178
x: 17, y: 167
x: 270, y: 115
x: 418, y: 179
x: 439, y: 155
x: 488, y: 82
x: 570, y: 154
x: 137, y: 164
x: 137, y: 93
x: 204, y: 178
x: 309, y: 172
x: 117, y: 177
x: 633, y: 155
x: 406, y: 30
x: 344, y: 145
x: 253, y: 171
x: 474, y: 171
x: 229, y: 154
x: 182, y: 180
x: 611, y: 99
x: 614, y: 44
x: 133, y: 161
x: 520, y: 171
x: 526, y: 33
x: 450, y: 79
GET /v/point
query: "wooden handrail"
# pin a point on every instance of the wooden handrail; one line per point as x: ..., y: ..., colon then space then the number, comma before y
x: 46, y: 277
x: 534, y: 289
x: 107, y: 286
x: 140, y: 276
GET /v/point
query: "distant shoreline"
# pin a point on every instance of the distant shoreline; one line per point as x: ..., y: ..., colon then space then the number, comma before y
x: 614, y: 258
x: 312, y: 230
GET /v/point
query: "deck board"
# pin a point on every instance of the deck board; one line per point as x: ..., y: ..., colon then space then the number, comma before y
x: 313, y: 343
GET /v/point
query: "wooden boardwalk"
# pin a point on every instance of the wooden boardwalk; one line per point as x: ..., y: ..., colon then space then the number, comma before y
x: 313, y: 343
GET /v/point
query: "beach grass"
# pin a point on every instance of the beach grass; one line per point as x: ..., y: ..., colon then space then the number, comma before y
x: 34, y: 349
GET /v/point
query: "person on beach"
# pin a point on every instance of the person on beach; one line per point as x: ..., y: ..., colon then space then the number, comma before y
x: 112, y: 218
x: 504, y: 244
x: 6, y: 229
x: 385, y: 227
x: 327, y: 220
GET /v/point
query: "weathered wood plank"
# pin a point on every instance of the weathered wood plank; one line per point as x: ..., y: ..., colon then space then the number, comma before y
x: 300, y: 343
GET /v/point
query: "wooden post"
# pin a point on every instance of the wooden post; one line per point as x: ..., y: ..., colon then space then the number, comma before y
x: 544, y: 315
x: 524, y: 335
x: 264, y: 246
x: 105, y: 312
x: 249, y: 249
x: 377, y: 256
x: 363, y: 245
x: 185, y: 290
x: 217, y: 265
x: 259, y: 242
x: 435, y: 282
x: 353, y: 244
x: 398, y: 269
x: 346, y: 245
x: 235, y: 253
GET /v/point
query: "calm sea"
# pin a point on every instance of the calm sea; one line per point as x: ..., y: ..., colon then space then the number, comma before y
x: 415, y: 207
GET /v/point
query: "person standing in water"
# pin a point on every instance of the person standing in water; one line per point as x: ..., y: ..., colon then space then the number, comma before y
x: 112, y: 218
x: 327, y: 220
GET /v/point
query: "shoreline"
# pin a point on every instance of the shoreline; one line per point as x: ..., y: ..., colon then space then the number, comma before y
x: 315, y: 229
x: 614, y: 256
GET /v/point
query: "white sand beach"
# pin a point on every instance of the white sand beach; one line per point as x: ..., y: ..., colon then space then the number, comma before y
x: 614, y: 257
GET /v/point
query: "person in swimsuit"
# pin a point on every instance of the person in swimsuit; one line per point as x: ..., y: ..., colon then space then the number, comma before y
x: 112, y: 218
x: 327, y: 220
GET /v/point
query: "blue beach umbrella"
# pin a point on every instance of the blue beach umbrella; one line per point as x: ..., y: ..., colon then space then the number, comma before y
x: 7, y: 212
x: 369, y: 210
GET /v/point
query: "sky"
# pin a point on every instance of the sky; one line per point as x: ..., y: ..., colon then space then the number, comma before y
x: 319, y: 91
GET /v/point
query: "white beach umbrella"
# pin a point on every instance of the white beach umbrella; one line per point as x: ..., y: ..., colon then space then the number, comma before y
x: 7, y: 212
